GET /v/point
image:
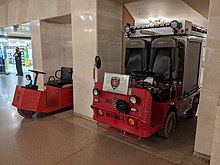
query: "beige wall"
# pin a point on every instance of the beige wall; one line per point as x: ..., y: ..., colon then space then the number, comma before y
x: 109, y: 36
x: 56, y: 41
x: 18, y: 11
x: 215, y: 155
x: 208, y: 120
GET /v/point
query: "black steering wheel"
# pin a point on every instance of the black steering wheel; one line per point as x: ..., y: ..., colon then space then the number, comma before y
x: 36, y: 76
x: 141, y: 75
x: 37, y: 72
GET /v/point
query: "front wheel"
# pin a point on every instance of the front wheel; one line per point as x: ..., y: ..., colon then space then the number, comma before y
x: 168, y: 126
x: 26, y: 114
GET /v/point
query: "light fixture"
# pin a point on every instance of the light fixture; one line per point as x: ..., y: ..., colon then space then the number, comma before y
x: 133, y: 99
x: 82, y: 17
x: 174, y: 24
x: 131, y: 121
x: 134, y: 109
x: 90, y: 17
x: 96, y: 92
x: 100, y: 112
x: 127, y: 29
x: 97, y: 100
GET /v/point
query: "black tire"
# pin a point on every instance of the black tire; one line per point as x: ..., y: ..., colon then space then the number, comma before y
x: 192, y: 112
x: 169, y: 125
x: 26, y: 114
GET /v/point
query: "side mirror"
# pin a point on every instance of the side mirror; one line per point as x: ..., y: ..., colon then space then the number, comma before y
x: 98, y: 62
x: 28, y: 77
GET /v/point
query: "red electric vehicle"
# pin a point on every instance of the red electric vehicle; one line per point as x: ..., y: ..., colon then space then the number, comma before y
x: 57, y: 94
x: 161, y: 81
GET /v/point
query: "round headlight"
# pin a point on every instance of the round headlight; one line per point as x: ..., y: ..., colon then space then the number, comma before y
x: 96, y: 92
x: 174, y: 24
x: 127, y: 29
x: 133, y: 99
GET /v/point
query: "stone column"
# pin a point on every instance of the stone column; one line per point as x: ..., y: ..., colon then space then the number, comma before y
x: 37, y: 50
x: 84, y: 43
x: 209, y: 113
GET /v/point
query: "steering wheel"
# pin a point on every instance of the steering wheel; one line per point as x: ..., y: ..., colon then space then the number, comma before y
x: 141, y: 75
x: 37, y: 72
x: 36, y: 76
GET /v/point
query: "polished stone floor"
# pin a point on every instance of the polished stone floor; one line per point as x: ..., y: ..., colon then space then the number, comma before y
x: 65, y: 138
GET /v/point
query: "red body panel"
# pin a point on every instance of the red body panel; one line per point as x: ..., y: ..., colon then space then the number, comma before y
x: 31, y: 100
x: 52, y: 99
x: 143, y: 125
x: 58, y: 98
x: 149, y: 118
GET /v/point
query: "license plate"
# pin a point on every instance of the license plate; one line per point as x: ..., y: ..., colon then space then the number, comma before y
x: 114, y: 116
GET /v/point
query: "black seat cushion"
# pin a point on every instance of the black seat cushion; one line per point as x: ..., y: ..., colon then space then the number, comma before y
x: 58, y: 83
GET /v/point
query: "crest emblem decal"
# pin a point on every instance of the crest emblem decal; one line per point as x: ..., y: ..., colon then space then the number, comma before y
x: 115, y: 81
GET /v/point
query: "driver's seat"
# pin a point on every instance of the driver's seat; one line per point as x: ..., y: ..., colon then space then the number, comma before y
x: 65, y: 77
x: 164, y: 63
x: 137, y: 55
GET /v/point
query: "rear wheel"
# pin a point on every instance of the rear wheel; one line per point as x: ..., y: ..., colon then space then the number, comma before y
x: 26, y: 114
x: 168, y: 126
x: 192, y: 112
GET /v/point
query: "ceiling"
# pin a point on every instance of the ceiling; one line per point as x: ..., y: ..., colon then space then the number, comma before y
x: 202, y: 7
x: 168, y: 10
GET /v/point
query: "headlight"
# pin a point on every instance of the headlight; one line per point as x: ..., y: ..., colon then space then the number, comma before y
x: 127, y: 29
x: 96, y: 92
x: 174, y: 24
x: 133, y: 99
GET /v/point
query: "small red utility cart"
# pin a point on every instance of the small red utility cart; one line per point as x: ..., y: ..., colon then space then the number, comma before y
x: 57, y: 94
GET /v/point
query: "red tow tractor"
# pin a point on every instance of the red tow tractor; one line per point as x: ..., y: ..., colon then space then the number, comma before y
x: 58, y: 94
x: 161, y: 81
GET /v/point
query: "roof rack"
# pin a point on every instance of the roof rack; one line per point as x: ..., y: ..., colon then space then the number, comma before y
x: 166, y: 28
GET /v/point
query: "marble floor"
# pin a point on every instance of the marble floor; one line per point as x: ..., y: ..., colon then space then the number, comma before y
x: 11, y: 69
x: 65, y: 138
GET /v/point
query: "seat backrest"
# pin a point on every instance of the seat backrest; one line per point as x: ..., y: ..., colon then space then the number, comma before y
x: 164, y: 57
x: 137, y: 55
x: 66, y: 73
